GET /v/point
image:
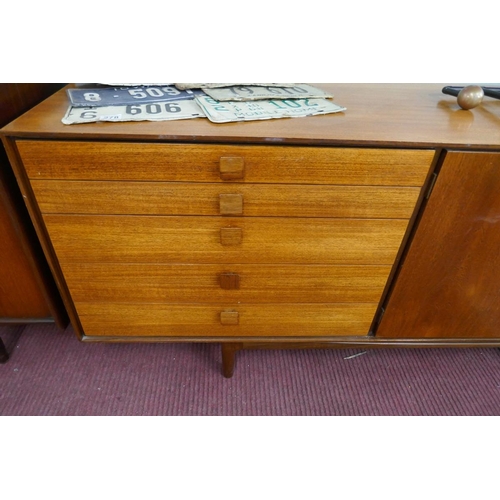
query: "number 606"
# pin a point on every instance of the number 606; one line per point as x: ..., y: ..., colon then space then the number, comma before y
x: 153, y: 109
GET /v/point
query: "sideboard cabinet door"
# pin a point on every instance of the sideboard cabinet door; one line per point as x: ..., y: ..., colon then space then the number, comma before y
x: 28, y: 293
x: 449, y: 282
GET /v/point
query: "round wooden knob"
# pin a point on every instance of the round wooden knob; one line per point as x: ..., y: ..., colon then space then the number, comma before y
x: 470, y: 97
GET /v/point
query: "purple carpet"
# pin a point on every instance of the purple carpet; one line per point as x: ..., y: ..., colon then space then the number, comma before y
x: 51, y: 373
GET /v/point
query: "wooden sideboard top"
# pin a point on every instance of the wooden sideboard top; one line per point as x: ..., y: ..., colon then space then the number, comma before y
x: 405, y: 115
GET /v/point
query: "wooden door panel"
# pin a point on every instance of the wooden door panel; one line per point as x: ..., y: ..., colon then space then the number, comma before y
x: 449, y: 285
x: 27, y: 290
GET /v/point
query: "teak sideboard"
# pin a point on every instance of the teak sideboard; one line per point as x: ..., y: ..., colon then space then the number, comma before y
x: 379, y: 226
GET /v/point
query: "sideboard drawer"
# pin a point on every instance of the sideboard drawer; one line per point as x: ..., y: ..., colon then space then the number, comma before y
x: 232, y: 320
x: 169, y: 198
x: 224, y: 240
x: 222, y: 283
x: 207, y: 163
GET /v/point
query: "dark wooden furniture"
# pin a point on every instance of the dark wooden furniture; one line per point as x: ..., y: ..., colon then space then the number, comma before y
x: 27, y: 290
x: 4, y: 355
x: 313, y: 232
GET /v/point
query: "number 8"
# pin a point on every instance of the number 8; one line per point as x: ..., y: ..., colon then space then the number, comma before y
x: 91, y: 96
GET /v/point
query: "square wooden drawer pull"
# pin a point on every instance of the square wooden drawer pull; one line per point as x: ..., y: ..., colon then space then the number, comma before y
x: 229, y: 317
x: 229, y: 281
x: 231, y: 168
x: 231, y: 204
x: 230, y: 236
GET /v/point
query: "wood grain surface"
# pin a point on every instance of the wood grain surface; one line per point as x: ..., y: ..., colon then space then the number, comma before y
x: 258, y: 283
x: 202, y: 163
x: 449, y: 285
x: 203, y: 320
x: 27, y: 290
x: 251, y: 200
x: 21, y: 294
x: 380, y: 115
x: 197, y: 240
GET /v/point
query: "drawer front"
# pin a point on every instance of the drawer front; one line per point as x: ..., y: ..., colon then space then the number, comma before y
x: 225, y: 240
x: 220, y: 163
x: 215, y: 241
x: 245, y: 320
x: 161, y: 198
x: 219, y: 284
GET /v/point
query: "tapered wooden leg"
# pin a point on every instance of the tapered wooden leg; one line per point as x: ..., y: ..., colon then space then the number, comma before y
x: 4, y: 355
x: 229, y: 357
